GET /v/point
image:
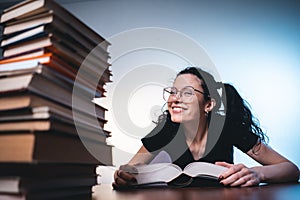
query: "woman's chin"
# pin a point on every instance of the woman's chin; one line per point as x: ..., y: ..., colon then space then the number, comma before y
x: 176, y: 119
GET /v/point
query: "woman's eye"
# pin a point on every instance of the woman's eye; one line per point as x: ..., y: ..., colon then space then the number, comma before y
x: 188, y: 93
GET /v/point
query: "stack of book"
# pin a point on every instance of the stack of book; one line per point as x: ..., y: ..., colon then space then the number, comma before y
x: 52, y: 135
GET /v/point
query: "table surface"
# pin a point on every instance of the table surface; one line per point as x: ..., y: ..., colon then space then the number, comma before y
x: 264, y: 192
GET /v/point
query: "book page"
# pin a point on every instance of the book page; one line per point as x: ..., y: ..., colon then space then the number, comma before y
x: 202, y: 168
x: 161, y: 157
x: 159, y: 172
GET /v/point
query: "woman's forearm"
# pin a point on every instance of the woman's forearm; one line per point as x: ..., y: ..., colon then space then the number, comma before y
x: 143, y: 156
x: 276, y: 173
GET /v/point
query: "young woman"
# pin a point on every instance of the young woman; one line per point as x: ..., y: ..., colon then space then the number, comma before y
x: 205, y: 119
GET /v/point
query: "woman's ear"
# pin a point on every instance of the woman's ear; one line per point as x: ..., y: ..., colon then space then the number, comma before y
x: 210, y: 105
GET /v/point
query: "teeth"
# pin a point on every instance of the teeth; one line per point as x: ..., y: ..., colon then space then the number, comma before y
x: 177, y: 109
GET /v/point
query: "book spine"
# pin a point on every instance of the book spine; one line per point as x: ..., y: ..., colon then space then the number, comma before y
x: 1, y: 53
x: 1, y: 30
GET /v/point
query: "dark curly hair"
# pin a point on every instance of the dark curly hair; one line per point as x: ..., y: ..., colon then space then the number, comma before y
x: 228, y: 103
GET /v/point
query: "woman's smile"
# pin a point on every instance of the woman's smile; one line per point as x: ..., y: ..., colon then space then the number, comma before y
x: 177, y: 109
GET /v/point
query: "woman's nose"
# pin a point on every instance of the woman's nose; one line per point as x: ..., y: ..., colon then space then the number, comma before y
x: 177, y: 97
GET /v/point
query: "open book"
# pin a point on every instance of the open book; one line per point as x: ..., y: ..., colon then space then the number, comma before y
x: 170, y: 175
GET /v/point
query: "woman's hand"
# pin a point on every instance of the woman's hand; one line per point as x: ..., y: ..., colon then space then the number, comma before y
x: 124, y: 176
x: 239, y: 175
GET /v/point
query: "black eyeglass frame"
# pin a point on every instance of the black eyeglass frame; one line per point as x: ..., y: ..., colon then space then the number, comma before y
x: 165, y: 90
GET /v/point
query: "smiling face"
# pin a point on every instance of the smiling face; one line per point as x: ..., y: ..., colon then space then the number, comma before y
x: 193, y: 110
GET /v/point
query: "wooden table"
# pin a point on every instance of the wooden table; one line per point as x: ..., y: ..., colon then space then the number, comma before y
x: 263, y: 192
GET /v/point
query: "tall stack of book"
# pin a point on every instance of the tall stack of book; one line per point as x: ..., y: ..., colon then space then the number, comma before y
x: 45, y: 153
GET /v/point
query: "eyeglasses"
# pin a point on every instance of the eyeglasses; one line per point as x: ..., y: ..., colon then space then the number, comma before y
x: 186, y: 93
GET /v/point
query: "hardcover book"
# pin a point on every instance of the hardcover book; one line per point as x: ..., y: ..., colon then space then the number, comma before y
x: 196, y: 174
x: 51, y: 147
